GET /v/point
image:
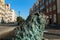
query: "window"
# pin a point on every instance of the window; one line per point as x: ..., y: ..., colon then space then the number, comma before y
x: 46, y: 3
x: 50, y: 8
x: 5, y: 17
x: 50, y: 1
x: 42, y: 1
x: 47, y: 10
x: 42, y: 7
x: 0, y: 10
x: 54, y: 18
x: 0, y: 15
x: 53, y: 0
x: 54, y: 7
x: 10, y: 19
x: 0, y: 6
x: 37, y: 3
x: 50, y: 16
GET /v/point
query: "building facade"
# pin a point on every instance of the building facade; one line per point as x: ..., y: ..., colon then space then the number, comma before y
x: 2, y: 10
x: 51, y: 8
x: 12, y: 16
x: 6, y: 13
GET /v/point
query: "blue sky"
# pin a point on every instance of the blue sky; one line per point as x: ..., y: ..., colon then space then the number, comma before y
x: 21, y: 5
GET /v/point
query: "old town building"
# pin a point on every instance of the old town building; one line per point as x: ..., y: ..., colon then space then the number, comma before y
x: 6, y: 13
x: 51, y: 8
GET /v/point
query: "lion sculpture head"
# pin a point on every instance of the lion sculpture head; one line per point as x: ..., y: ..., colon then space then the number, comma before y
x: 33, y: 28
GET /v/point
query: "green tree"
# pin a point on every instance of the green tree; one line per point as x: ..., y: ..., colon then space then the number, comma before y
x: 20, y: 19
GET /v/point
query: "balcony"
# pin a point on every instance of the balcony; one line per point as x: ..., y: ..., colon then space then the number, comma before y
x: 2, y: 7
x: 6, y: 15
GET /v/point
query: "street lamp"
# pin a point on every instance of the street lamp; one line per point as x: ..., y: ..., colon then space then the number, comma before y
x: 19, y: 13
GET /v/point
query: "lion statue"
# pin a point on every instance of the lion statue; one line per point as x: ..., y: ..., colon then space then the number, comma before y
x: 32, y: 29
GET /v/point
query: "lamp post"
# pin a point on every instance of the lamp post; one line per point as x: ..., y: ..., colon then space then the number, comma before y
x: 18, y: 18
x: 19, y: 13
